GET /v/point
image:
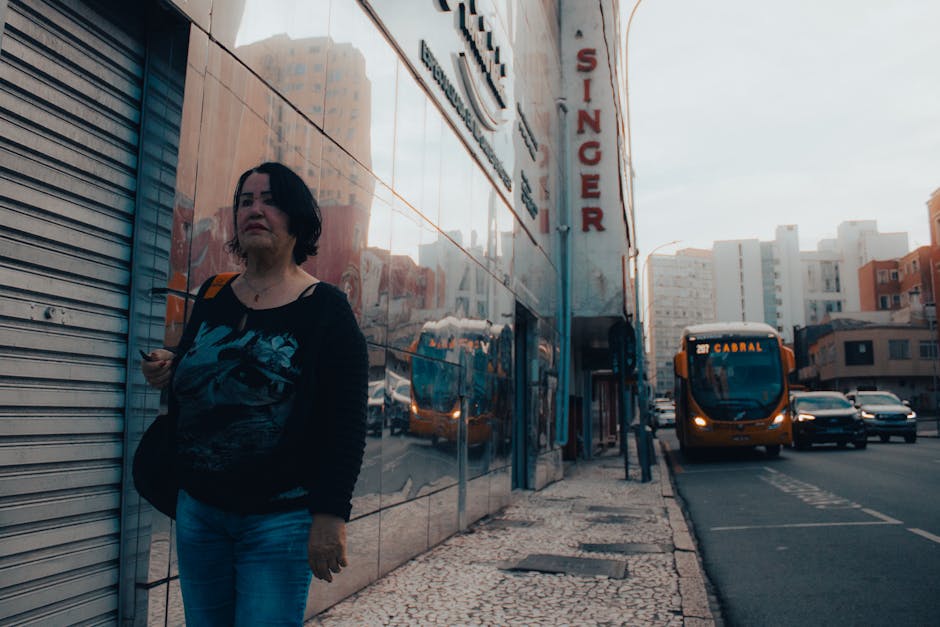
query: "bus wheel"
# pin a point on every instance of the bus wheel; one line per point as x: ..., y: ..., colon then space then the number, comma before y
x: 773, y: 450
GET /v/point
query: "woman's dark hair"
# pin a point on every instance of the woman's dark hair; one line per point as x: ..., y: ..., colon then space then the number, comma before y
x: 292, y: 196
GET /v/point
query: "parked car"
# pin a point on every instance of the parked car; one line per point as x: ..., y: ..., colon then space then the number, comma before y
x: 825, y: 417
x: 884, y: 415
x: 400, y: 406
x: 664, y: 418
x: 662, y: 412
x: 375, y: 416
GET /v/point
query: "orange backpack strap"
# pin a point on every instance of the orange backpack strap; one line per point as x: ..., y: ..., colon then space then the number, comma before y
x: 218, y: 282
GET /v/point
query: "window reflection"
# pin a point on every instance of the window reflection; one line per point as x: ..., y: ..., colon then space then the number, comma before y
x: 361, y: 71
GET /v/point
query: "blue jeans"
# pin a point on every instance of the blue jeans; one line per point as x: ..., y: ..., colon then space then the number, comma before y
x: 241, y: 569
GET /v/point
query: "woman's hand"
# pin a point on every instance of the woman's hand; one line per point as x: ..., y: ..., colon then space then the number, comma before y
x: 326, y: 546
x: 157, y: 367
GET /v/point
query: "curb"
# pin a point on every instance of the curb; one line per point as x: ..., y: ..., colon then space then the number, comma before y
x: 698, y: 607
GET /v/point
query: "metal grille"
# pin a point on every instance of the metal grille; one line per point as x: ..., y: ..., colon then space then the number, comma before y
x: 71, y: 83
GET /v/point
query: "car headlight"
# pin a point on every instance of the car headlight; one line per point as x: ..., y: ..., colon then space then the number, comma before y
x: 805, y: 417
x: 912, y: 415
x: 867, y: 414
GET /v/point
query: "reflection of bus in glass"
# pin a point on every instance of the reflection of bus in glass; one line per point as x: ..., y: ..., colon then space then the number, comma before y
x: 731, y: 387
x: 485, y: 351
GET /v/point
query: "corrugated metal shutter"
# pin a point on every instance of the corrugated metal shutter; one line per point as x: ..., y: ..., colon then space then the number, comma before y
x: 70, y: 108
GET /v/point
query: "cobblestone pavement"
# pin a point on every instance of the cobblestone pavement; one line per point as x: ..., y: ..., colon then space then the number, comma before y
x: 469, y: 578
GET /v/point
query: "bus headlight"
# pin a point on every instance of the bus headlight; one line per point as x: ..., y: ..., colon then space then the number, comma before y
x: 805, y: 417
x: 700, y: 422
x: 414, y: 408
x: 778, y: 420
x: 455, y: 414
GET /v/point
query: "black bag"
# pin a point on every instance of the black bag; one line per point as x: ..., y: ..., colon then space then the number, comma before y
x: 154, y: 467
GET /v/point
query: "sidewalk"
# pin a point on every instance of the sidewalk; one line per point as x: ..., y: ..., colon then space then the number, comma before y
x: 591, y: 549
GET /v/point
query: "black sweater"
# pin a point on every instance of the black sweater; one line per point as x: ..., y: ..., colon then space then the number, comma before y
x: 270, y: 404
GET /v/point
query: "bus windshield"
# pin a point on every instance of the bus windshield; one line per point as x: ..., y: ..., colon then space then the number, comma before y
x: 738, y: 378
x: 435, y: 384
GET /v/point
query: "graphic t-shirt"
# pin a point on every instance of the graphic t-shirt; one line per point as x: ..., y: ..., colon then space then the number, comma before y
x: 271, y: 403
x: 236, y: 391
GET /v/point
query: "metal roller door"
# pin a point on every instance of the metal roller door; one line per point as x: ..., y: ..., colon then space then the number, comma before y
x: 80, y: 242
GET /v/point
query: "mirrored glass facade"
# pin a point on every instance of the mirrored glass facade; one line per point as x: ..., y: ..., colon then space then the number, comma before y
x: 425, y: 230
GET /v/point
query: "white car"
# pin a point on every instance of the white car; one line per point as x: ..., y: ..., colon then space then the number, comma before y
x: 664, y: 418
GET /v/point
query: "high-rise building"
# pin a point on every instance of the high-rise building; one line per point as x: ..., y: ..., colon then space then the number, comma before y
x: 739, y: 291
x: 680, y: 292
x: 858, y: 242
x: 788, y: 281
x: 822, y: 282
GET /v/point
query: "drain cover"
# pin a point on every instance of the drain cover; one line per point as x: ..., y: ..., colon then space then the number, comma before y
x: 627, y: 548
x: 613, y: 519
x: 564, y: 564
x: 507, y: 523
x: 627, y: 511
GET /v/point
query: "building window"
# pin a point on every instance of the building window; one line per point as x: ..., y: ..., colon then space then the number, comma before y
x: 883, y: 302
x: 894, y: 275
x: 899, y: 349
x: 928, y: 349
x: 859, y: 353
x: 896, y: 299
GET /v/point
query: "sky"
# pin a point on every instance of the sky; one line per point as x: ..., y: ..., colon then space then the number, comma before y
x: 748, y: 114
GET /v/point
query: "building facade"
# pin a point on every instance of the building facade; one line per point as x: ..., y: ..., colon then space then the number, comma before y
x: 681, y: 292
x: 846, y: 355
x: 467, y: 160
x: 739, y: 288
x: 858, y: 242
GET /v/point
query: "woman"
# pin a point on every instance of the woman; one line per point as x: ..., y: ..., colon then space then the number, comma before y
x: 268, y: 387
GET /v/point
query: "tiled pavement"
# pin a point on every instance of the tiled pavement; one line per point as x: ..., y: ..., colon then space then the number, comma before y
x: 618, y: 553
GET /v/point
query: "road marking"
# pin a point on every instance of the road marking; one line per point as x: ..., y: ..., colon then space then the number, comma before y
x: 724, y: 470
x: 865, y: 523
x: 808, y: 493
x: 924, y: 534
x: 884, y: 517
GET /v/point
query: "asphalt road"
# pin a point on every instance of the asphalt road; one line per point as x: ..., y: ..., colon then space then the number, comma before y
x: 820, y: 537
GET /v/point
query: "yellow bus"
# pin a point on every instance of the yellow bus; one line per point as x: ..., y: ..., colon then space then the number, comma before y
x: 731, y: 387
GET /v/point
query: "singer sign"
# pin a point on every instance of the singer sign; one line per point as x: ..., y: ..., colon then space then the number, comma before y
x: 589, y: 148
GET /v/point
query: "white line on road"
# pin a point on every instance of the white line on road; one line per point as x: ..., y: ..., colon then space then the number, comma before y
x: 724, y: 470
x: 795, y: 525
x: 884, y: 517
x: 924, y: 534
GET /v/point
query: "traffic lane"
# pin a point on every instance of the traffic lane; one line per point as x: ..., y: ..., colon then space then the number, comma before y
x: 733, y: 494
x: 782, y: 550
x: 840, y: 574
x: 896, y: 479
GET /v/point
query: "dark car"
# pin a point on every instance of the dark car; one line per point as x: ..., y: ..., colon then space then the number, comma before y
x: 884, y: 415
x: 825, y: 417
x: 375, y: 418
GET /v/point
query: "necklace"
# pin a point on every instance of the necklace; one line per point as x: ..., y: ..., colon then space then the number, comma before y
x: 259, y: 293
